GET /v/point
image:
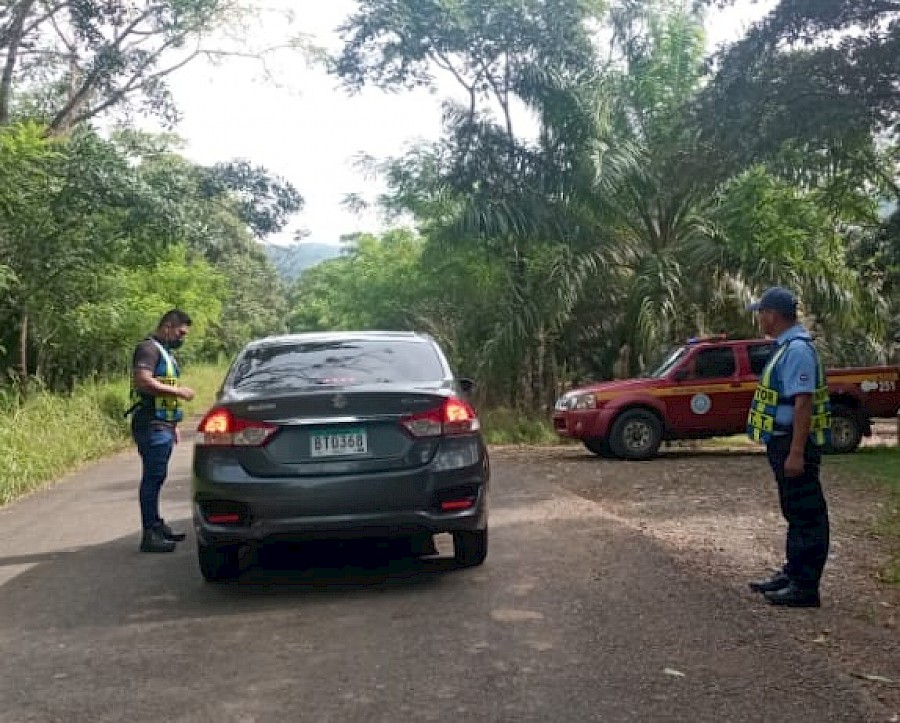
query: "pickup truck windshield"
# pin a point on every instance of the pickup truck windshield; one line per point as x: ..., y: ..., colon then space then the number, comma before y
x: 671, y: 360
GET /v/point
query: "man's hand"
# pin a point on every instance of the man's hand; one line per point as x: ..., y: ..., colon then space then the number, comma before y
x: 793, y: 465
x: 185, y: 393
x: 177, y: 435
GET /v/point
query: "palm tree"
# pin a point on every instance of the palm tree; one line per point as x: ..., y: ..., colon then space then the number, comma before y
x: 612, y: 226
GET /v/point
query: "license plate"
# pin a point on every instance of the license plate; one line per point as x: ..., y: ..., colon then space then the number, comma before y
x: 344, y: 443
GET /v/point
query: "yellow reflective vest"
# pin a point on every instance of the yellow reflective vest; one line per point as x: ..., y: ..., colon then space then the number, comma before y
x: 770, y: 393
x: 164, y: 407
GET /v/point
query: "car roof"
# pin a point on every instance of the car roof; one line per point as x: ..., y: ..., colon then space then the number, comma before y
x: 330, y: 336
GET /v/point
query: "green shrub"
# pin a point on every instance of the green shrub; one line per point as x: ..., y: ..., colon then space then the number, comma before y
x: 52, y: 434
x: 507, y: 426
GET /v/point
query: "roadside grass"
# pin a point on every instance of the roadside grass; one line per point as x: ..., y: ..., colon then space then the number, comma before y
x: 878, y: 466
x: 507, y: 427
x: 52, y: 434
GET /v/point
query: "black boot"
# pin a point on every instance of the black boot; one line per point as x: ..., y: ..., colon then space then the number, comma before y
x: 170, y: 534
x: 794, y: 596
x: 778, y: 581
x: 154, y: 541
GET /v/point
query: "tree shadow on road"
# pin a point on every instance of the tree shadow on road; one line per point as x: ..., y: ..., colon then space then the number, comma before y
x: 113, y: 584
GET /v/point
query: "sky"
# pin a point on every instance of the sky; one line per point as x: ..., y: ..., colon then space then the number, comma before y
x: 302, y: 126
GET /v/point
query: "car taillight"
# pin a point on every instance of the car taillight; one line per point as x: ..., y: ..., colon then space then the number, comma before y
x: 454, y: 416
x: 220, y: 428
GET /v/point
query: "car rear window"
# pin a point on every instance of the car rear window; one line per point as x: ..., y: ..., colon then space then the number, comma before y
x: 336, y: 363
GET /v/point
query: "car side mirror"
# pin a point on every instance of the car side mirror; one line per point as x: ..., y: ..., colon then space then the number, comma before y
x: 467, y: 385
x: 680, y: 375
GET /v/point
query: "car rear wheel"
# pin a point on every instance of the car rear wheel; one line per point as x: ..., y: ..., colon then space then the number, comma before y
x: 218, y: 563
x: 599, y: 446
x: 470, y: 547
x: 846, y: 430
x: 636, y: 434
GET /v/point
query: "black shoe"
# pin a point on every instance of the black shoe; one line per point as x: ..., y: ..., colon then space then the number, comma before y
x: 154, y: 541
x: 778, y: 581
x: 170, y: 534
x: 795, y: 597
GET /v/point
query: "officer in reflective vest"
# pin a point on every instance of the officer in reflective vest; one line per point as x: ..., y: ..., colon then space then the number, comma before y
x: 790, y: 414
x: 156, y: 413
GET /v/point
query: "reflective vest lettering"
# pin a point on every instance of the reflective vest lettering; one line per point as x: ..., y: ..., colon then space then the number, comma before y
x: 167, y: 408
x: 164, y: 407
x: 761, y: 418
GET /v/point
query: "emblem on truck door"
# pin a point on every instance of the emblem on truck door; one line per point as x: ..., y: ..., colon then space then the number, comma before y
x: 701, y: 403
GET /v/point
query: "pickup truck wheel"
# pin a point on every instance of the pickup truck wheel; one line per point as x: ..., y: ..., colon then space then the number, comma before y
x: 636, y: 434
x: 599, y: 446
x: 846, y: 430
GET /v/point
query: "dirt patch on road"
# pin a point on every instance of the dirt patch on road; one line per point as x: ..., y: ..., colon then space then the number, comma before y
x: 717, y: 511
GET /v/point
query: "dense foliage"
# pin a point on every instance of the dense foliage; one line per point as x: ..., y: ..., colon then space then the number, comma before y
x: 602, y: 188
x: 101, y: 233
x: 657, y: 195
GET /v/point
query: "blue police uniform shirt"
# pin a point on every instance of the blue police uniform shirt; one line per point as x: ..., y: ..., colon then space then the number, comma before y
x: 796, y: 370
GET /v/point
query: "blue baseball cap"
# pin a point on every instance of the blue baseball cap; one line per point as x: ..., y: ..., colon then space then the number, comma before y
x: 777, y: 299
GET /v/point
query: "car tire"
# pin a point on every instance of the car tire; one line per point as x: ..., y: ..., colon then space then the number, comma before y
x: 218, y: 563
x: 636, y: 434
x: 846, y: 430
x: 599, y: 446
x: 470, y: 547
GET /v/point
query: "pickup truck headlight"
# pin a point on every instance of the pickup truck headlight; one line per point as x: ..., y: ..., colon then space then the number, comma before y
x: 576, y: 401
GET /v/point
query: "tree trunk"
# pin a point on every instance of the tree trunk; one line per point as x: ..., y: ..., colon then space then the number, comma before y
x: 23, y: 355
x: 13, y: 43
x: 552, y: 391
x: 540, y: 373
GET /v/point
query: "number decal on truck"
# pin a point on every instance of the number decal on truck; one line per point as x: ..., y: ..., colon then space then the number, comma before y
x: 882, y: 386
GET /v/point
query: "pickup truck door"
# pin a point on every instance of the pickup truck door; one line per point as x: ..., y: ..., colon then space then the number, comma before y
x: 708, y: 397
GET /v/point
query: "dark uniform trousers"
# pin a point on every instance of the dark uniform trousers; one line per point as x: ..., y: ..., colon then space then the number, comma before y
x: 803, y: 506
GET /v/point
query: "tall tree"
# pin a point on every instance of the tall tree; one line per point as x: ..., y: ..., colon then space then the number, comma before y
x: 610, y: 226
x: 67, y: 61
x: 816, y: 70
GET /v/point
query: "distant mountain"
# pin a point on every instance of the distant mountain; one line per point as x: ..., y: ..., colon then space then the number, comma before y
x: 293, y: 260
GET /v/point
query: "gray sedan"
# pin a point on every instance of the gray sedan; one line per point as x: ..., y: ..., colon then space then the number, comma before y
x: 340, y: 435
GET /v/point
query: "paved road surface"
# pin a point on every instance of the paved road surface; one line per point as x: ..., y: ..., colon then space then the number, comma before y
x: 574, y: 617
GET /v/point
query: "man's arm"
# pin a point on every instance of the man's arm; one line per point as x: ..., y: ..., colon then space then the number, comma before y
x: 793, y: 465
x: 146, y: 356
x: 144, y: 381
x: 799, y: 374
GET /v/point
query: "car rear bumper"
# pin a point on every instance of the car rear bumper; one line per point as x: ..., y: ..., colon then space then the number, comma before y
x: 391, y: 504
x: 341, y: 527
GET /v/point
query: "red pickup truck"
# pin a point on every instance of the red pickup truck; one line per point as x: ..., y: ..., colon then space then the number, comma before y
x: 703, y: 389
